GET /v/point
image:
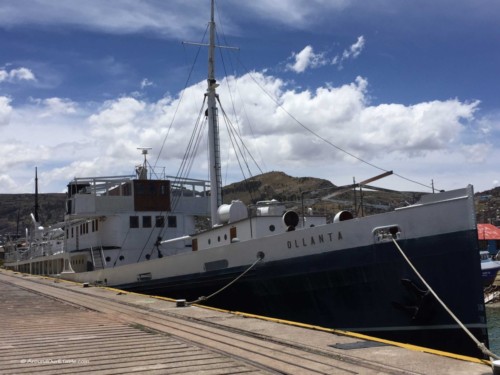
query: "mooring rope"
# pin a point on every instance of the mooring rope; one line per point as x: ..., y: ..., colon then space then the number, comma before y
x: 479, y: 344
x: 203, y: 298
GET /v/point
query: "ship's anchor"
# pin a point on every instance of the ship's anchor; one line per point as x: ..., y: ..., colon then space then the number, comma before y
x: 422, y: 308
x: 157, y: 244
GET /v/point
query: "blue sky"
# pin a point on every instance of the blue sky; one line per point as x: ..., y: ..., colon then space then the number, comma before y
x: 406, y: 86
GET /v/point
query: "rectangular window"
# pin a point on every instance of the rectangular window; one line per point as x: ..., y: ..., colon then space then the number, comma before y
x: 146, y: 221
x: 160, y: 221
x: 134, y: 221
x: 172, y: 221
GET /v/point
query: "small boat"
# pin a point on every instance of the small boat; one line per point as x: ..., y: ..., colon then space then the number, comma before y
x: 141, y: 232
x: 489, y: 268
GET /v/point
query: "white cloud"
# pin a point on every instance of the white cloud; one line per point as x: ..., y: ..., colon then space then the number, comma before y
x: 55, y: 106
x: 355, y: 49
x: 116, y: 113
x: 15, y: 75
x: 5, y: 110
x: 170, y: 19
x: 350, y: 53
x: 293, y: 13
x: 67, y: 139
x: 145, y: 83
x: 306, y: 59
x: 174, y: 17
x: 7, y: 183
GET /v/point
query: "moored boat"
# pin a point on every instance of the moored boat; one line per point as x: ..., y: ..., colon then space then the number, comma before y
x: 140, y: 233
x: 489, y: 268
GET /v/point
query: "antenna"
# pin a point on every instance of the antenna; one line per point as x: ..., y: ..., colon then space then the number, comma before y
x: 142, y: 170
x: 144, y: 151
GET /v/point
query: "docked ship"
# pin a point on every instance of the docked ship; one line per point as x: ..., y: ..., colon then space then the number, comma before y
x: 354, y: 273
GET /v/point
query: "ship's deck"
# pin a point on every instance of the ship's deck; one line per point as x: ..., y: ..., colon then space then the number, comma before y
x: 52, y: 326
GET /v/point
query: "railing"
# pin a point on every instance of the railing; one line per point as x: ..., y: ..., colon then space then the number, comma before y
x: 35, y: 250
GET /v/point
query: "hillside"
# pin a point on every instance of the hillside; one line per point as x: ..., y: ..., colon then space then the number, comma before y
x: 272, y: 185
x: 14, y: 206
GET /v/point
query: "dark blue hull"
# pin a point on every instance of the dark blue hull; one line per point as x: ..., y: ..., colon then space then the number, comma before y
x: 370, y: 290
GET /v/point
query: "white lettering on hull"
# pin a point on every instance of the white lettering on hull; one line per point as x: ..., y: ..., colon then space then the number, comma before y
x: 314, y: 240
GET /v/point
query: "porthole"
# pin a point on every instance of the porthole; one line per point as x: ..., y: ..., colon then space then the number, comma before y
x: 108, y: 259
x: 218, y: 238
x: 272, y: 228
x: 148, y: 256
x: 121, y: 257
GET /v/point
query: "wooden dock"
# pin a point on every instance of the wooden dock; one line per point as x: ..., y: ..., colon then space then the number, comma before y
x: 49, y: 326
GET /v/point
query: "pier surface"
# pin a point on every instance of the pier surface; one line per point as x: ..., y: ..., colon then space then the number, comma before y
x: 50, y: 326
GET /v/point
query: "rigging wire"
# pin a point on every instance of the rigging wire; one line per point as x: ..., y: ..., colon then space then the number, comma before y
x: 237, y: 130
x: 235, y: 145
x: 185, y: 167
x: 194, y: 141
x: 233, y: 133
x: 180, y: 99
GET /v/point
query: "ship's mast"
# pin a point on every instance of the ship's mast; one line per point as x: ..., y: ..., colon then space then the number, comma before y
x: 36, y: 195
x: 213, y: 127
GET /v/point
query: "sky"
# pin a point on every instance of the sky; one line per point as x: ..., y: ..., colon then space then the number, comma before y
x: 341, y: 89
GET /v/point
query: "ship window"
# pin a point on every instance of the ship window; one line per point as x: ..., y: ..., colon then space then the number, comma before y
x: 72, y: 235
x: 96, y: 225
x: 160, y: 221
x: 134, y: 221
x: 146, y: 221
x: 93, y: 226
x: 272, y: 228
x: 172, y: 221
